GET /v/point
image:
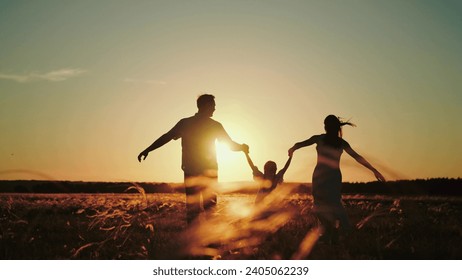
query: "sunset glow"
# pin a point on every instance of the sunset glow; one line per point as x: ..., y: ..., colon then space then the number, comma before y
x: 85, y: 86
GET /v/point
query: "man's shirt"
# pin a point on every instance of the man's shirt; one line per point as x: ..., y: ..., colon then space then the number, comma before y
x: 198, y: 135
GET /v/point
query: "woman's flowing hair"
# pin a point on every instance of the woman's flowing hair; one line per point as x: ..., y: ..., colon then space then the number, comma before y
x: 333, y: 126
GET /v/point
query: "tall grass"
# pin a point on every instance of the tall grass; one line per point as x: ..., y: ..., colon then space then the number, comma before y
x: 153, y: 226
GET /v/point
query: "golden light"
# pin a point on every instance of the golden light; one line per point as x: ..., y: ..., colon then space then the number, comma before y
x: 232, y: 165
x: 240, y: 209
x: 224, y: 154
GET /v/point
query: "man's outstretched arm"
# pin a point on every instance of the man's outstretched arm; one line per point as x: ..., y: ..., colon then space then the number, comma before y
x: 233, y: 146
x: 164, y: 139
x: 238, y: 147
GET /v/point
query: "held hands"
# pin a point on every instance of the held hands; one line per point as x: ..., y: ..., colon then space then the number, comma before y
x: 291, y: 151
x: 143, y: 155
x: 245, y: 148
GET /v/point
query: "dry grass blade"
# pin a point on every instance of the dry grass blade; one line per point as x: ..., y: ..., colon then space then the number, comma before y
x: 141, y: 191
x: 307, y: 244
x: 377, y: 213
x: 107, y: 229
x: 82, y: 248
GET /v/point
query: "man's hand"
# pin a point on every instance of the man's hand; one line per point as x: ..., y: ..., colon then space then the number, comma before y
x: 143, y: 155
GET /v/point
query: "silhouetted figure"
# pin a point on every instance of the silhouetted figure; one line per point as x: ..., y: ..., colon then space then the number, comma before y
x: 269, y: 178
x: 198, y: 136
x: 327, y: 178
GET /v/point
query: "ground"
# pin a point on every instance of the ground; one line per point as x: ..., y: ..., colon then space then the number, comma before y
x: 153, y: 226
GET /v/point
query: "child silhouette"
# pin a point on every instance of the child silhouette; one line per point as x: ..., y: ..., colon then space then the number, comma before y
x: 269, y: 178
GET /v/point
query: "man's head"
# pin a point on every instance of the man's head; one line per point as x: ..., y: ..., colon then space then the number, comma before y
x: 206, y: 104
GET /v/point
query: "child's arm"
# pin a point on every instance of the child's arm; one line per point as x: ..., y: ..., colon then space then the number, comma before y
x: 284, y: 169
x: 255, y: 171
x: 252, y: 166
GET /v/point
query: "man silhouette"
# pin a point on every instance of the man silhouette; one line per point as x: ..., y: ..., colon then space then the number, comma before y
x: 198, y: 135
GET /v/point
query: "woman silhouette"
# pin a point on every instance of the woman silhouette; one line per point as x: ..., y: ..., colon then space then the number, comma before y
x: 327, y: 178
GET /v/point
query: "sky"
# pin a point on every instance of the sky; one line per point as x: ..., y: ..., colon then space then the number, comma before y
x: 85, y: 86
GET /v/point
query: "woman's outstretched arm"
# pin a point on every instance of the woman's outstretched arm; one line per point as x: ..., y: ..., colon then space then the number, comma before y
x: 363, y: 161
x: 302, y: 144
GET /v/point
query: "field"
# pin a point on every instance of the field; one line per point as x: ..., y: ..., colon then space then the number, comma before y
x: 152, y: 226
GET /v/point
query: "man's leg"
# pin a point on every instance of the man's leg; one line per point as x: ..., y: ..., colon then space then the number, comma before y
x: 209, y: 195
x: 193, y: 191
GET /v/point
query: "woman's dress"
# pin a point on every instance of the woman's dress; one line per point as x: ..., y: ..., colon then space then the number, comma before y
x: 327, y: 183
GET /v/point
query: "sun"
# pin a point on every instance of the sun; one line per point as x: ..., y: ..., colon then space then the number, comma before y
x: 231, y: 163
x: 224, y: 153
